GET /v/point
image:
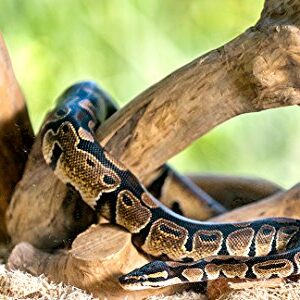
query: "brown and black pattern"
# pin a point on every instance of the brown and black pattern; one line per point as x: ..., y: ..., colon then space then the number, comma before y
x: 148, y: 201
x: 212, y: 250
x: 69, y: 170
x: 238, y: 270
x: 284, y: 235
x: 267, y: 269
x: 297, y: 259
x: 264, y: 240
x: 238, y: 242
x: 206, y: 243
x: 130, y: 213
x: 166, y: 238
x: 113, y: 161
x: 193, y: 274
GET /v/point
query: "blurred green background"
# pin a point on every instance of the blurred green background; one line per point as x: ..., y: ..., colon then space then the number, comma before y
x: 127, y: 45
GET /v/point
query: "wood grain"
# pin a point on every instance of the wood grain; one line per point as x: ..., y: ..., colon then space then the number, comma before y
x: 257, y: 70
x: 282, y: 204
x: 96, y: 260
x: 235, y: 191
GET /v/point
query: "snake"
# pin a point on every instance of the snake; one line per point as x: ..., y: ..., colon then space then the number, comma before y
x: 185, y: 250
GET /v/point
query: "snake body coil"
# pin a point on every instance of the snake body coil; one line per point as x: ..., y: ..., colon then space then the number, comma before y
x: 198, y: 250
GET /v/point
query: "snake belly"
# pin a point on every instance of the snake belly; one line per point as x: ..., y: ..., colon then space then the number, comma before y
x: 196, y: 251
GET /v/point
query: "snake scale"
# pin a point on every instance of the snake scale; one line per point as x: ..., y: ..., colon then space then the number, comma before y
x: 189, y: 250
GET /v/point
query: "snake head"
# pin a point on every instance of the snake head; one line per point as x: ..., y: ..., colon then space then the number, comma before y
x: 152, y: 275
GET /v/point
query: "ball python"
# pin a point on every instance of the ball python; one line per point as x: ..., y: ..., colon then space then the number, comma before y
x: 189, y: 250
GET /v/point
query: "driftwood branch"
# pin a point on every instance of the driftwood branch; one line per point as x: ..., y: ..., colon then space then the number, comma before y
x: 96, y: 260
x: 16, y: 135
x: 282, y: 204
x: 235, y: 191
x: 257, y: 70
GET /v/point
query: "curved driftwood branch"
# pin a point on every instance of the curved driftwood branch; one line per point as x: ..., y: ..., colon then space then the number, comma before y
x: 255, y: 71
x: 281, y: 204
x: 235, y: 191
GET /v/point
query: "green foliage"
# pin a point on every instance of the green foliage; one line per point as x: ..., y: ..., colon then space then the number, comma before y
x: 129, y: 45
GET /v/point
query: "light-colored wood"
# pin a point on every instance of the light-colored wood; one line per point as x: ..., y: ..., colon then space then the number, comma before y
x: 257, y: 70
x: 235, y: 191
x: 96, y: 260
x: 16, y: 135
x: 282, y: 204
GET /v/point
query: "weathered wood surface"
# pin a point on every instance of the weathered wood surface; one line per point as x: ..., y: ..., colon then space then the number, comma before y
x: 282, y: 204
x: 96, y: 260
x: 255, y: 71
x: 235, y: 191
x: 43, y: 211
x: 16, y: 135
